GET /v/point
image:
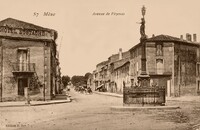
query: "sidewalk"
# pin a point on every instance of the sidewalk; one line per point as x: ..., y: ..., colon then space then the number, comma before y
x: 32, y: 103
x: 182, y: 99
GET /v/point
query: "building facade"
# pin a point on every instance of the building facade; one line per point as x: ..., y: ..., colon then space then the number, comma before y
x: 28, y: 60
x: 107, y: 73
x: 170, y: 62
x: 121, y: 75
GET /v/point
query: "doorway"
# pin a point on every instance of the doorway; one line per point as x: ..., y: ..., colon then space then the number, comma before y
x: 168, y: 88
x: 22, y: 83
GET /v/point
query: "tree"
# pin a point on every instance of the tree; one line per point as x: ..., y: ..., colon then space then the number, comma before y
x: 65, y: 80
x: 87, y: 75
x: 78, y: 80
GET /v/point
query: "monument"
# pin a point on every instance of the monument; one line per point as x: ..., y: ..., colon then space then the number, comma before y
x: 143, y: 78
x: 143, y: 94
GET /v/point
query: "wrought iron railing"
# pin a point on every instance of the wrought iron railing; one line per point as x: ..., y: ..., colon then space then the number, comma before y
x: 151, y: 95
x: 23, y: 67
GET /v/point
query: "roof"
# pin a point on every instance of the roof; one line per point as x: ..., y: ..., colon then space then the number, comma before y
x: 16, y: 29
x: 125, y: 54
x: 167, y: 38
x: 14, y: 23
x: 120, y: 63
x: 102, y: 63
x: 115, y: 57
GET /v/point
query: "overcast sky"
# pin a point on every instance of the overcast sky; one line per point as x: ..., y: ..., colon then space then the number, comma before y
x: 85, y: 39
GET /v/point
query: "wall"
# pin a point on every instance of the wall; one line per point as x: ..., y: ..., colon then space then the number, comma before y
x: 9, y: 55
x: 122, y: 77
x: 185, y: 59
x: 160, y: 78
x: 167, y: 57
x: 135, y: 63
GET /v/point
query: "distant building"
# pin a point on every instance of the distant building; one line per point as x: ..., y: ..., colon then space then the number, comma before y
x: 90, y: 82
x: 105, y: 73
x: 28, y: 59
x: 121, y: 75
x: 100, y: 75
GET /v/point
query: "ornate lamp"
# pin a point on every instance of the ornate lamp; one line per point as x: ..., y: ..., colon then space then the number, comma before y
x: 143, y: 10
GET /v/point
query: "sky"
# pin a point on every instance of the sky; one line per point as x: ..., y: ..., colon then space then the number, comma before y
x: 86, y: 39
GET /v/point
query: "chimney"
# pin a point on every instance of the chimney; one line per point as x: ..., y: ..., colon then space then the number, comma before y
x: 194, y: 37
x: 153, y: 35
x: 181, y: 37
x: 188, y: 37
x: 120, y: 53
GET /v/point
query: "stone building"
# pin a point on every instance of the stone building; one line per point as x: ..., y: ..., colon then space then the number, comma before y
x: 99, y: 75
x: 120, y: 75
x: 90, y: 82
x: 28, y: 60
x: 171, y: 62
x: 105, y: 73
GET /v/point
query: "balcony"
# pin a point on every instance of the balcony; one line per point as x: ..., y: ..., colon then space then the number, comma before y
x: 23, y: 68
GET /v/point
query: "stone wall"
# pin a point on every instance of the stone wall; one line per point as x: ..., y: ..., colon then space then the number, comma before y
x: 185, y: 59
x: 151, y: 57
x: 9, y: 55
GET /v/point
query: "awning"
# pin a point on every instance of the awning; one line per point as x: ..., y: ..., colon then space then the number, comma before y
x: 99, y: 86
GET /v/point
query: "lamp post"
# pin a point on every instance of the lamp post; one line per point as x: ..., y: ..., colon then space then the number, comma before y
x: 143, y: 78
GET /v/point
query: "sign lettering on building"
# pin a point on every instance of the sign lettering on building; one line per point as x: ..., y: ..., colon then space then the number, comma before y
x: 27, y: 33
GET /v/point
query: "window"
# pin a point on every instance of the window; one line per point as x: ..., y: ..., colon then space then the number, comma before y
x: 159, y: 66
x: 22, y: 59
x: 132, y: 82
x: 45, y: 51
x: 159, y: 49
x: 137, y: 67
x: 45, y: 67
x: 198, y: 69
x: 198, y: 86
x: 45, y: 59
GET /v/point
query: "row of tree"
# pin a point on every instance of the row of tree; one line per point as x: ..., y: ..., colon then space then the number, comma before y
x: 76, y: 80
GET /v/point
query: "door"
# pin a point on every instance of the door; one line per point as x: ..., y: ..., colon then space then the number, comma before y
x: 22, y: 83
x: 168, y: 88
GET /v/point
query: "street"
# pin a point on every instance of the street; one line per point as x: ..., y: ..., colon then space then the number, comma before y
x: 92, y: 112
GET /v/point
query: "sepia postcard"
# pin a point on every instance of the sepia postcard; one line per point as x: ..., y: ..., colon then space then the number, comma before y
x: 99, y: 65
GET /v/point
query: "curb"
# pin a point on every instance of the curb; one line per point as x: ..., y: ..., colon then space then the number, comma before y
x: 49, y: 103
x: 108, y: 94
x: 24, y: 105
x: 132, y: 108
x: 37, y: 104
